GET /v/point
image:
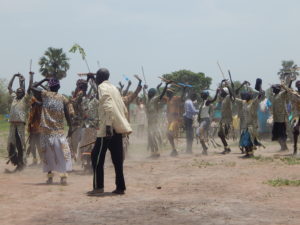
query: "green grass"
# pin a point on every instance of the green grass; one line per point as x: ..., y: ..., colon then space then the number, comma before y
x: 201, y: 163
x: 278, y: 182
x: 4, y: 126
x: 263, y: 158
x: 291, y: 160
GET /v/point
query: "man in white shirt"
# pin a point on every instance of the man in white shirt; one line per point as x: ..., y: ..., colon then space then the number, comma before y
x: 113, y: 124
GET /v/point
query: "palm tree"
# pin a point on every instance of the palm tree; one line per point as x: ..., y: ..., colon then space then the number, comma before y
x: 289, y: 69
x: 54, y: 63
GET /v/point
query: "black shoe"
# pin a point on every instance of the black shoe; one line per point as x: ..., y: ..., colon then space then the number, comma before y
x: 226, y: 151
x: 174, y: 153
x: 247, y: 156
x: 95, y: 192
x: 118, y: 192
x: 20, y: 167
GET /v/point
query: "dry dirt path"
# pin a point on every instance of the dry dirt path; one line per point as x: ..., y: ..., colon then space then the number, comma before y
x: 189, y: 189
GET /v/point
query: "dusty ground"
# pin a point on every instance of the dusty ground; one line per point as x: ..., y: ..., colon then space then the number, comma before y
x: 189, y: 189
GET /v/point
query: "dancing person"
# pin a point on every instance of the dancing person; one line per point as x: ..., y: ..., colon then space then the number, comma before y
x: 225, y: 124
x: 55, y: 148
x: 18, y: 116
x: 34, y: 121
x: 249, y: 124
x: 189, y: 112
x: 294, y: 97
x: 174, y: 115
x: 204, y: 118
x: 280, y: 116
x: 153, y: 104
x: 141, y: 118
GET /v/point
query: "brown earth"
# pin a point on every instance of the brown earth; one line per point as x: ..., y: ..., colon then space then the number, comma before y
x: 188, y: 189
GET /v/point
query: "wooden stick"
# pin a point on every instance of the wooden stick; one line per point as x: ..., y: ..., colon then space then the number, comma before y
x: 173, y: 82
x: 84, y: 74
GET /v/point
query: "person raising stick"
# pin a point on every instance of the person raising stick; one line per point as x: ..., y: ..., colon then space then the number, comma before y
x: 55, y: 149
x: 225, y: 124
x: 204, y: 118
x: 18, y: 116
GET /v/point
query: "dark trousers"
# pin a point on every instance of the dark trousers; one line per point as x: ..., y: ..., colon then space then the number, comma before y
x: 189, y: 133
x: 115, y: 146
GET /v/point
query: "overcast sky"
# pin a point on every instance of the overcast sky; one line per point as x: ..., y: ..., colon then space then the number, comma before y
x: 249, y: 37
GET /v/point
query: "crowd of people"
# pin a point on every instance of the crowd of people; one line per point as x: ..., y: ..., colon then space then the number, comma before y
x: 98, y: 119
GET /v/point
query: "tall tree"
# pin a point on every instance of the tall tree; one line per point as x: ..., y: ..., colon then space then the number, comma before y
x: 198, y: 81
x: 54, y: 63
x: 288, y: 68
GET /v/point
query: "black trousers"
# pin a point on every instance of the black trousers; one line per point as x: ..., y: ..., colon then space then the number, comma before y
x: 189, y: 133
x: 115, y: 146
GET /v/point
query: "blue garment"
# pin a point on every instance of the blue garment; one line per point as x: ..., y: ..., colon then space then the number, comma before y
x: 245, y: 140
x: 189, y: 109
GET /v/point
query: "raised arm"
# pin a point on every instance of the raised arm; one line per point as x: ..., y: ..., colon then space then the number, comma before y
x: 208, y: 102
x: 237, y: 91
x: 127, y: 88
x: 158, y: 88
x: 130, y: 98
x: 92, y: 81
x: 165, y: 90
x: 145, y: 94
x: 11, y: 82
x: 22, y: 82
x: 30, y: 82
x: 121, y: 87
x: 37, y: 93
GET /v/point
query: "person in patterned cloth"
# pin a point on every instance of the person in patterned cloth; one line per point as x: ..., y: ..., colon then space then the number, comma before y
x: 55, y: 149
x: 18, y: 117
x: 87, y: 104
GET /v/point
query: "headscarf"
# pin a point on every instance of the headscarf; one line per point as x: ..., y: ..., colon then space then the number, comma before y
x: 53, y: 82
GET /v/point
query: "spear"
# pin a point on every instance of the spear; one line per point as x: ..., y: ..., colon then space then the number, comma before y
x: 221, y: 70
x: 144, y: 75
x: 30, y: 64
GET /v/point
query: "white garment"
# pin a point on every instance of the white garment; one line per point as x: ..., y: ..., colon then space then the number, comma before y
x: 205, y: 111
x: 112, y: 110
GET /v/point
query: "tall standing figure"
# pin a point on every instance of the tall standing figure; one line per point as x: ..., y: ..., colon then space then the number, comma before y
x: 225, y: 124
x: 249, y: 107
x: 153, y: 104
x: 294, y: 97
x: 204, y: 118
x: 113, y: 124
x: 174, y: 115
x: 280, y: 116
x: 18, y: 116
x: 189, y: 112
x: 55, y: 149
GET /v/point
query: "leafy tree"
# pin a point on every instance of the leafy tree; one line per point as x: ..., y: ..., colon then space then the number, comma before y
x: 198, y: 81
x: 54, y: 63
x: 4, y: 97
x: 288, y: 67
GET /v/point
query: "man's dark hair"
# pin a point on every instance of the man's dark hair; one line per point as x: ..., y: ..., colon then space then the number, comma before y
x: 193, y: 96
x: 102, y: 75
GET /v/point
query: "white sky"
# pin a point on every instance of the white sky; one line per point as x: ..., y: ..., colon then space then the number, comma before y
x: 249, y: 37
